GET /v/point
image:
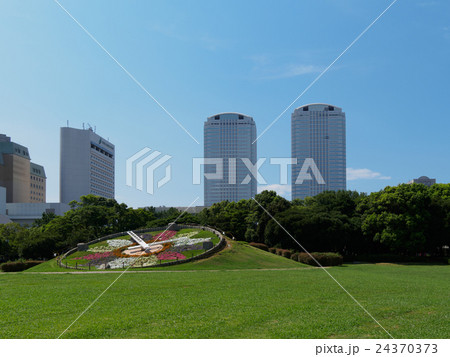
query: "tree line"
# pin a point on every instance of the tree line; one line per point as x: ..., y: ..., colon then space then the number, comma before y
x: 404, y: 220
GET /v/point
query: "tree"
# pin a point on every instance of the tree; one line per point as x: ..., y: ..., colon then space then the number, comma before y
x: 398, y: 218
x: 316, y: 229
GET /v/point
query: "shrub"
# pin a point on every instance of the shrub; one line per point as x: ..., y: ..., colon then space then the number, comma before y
x: 325, y: 259
x: 286, y: 253
x: 19, y: 265
x: 294, y: 256
x: 260, y: 246
x: 273, y: 250
x: 283, y: 252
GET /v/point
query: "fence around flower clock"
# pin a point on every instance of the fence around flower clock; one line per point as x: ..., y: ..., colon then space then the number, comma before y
x: 218, y: 247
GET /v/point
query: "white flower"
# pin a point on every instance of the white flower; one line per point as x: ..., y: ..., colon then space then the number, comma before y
x: 118, y: 243
x: 121, y: 263
x: 186, y: 235
x: 187, y: 241
x: 101, y: 249
x: 134, y: 261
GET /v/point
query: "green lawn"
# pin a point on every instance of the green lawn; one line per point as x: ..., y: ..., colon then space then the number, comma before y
x: 409, y: 301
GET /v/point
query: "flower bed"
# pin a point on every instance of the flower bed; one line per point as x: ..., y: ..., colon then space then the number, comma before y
x: 185, y: 248
x: 164, y: 236
x: 121, y: 253
x: 101, y: 249
x: 186, y: 235
x: 121, y: 263
x: 171, y: 256
x: 188, y: 241
x: 118, y: 243
x: 95, y: 256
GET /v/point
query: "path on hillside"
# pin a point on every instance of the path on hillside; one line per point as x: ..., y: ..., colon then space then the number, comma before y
x: 159, y: 271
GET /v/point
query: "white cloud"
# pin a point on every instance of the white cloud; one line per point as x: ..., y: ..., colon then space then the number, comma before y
x: 281, y: 190
x: 267, y: 66
x: 298, y: 70
x: 364, y: 174
x: 289, y: 71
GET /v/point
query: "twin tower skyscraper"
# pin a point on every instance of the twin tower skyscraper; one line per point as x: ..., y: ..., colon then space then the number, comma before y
x: 318, y: 154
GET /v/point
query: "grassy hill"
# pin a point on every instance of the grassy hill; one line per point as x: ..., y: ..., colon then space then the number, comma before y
x: 240, y: 255
x: 237, y: 255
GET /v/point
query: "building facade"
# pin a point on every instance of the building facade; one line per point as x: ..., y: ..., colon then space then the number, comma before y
x: 25, y: 182
x: 319, y: 146
x: 2, y: 200
x: 87, y: 163
x: 229, y: 138
x: 37, y: 183
x: 424, y: 180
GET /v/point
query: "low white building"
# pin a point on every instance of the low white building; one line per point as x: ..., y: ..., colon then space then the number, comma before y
x: 27, y: 213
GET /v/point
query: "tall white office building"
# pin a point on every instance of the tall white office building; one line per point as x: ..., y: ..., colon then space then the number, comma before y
x: 319, y: 145
x: 86, y: 165
x: 229, y: 138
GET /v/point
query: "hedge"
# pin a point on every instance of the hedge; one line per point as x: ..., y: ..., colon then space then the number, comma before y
x: 273, y: 250
x: 286, y: 253
x: 283, y: 252
x: 324, y: 259
x: 19, y: 265
x: 260, y: 246
x: 294, y: 256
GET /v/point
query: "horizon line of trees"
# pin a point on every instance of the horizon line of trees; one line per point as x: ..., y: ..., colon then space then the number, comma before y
x: 409, y: 219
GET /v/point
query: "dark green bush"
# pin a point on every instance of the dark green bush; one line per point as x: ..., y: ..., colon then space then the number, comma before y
x: 260, y: 246
x: 324, y: 259
x: 286, y: 253
x: 19, y: 265
x: 283, y: 252
x: 273, y: 250
x: 294, y: 256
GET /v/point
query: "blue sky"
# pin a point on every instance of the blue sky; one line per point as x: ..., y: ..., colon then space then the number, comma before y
x: 199, y: 58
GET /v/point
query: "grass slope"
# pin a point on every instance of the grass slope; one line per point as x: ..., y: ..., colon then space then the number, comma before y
x: 48, y: 266
x: 239, y: 255
x: 409, y: 301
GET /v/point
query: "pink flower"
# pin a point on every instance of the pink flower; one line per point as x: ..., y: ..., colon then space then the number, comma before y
x: 164, y: 235
x: 171, y: 256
